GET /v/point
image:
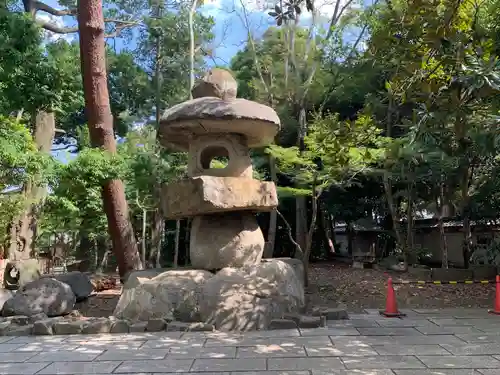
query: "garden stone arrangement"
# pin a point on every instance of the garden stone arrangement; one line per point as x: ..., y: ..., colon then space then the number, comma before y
x: 229, y: 286
x: 41, y: 301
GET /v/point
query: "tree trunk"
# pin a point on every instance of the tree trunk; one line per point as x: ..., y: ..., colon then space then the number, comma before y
x: 156, y: 231
x: 467, y: 243
x: 412, y: 257
x: 271, y: 234
x: 176, y: 244
x: 310, y: 233
x: 100, y: 122
x: 327, y: 227
x: 143, y: 235
x: 441, y: 206
x: 23, y: 228
x: 301, y: 201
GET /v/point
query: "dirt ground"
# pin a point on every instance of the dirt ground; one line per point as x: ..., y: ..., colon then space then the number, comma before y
x: 332, y: 285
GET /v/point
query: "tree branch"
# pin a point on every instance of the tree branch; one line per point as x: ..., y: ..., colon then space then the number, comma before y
x: 298, y: 249
x: 38, y: 5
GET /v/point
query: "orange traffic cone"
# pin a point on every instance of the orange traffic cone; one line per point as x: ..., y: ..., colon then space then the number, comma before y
x: 496, y: 309
x: 391, y: 306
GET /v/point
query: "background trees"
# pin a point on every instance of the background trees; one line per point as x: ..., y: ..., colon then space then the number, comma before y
x: 389, y: 114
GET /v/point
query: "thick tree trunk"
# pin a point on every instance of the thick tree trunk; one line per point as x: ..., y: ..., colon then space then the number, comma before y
x: 100, y: 121
x: 23, y: 228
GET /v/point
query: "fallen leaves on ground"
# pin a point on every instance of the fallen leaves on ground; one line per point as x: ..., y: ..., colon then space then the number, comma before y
x: 337, y: 284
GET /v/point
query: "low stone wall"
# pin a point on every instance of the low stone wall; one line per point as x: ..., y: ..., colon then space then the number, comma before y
x: 73, y: 324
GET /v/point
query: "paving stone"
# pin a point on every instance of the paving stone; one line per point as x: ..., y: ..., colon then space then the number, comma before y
x: 16, y: 357
x: 140, y: 354
x: 66, y: 355
x: 73, y: 368
x: 447, y: 330
x: 320, y: 363
x: 450, y: 322
x: 355, y: 372
x: 38, y: 339
x: 473, y: 349
x: 389, y: 331
x: 395, y: 349
x: 161, y: 366
x: 437, y: 372
x: 390, y: 322
x: 262, y: 351
x: 480, y: 361
x: 354, y: 323
x: 327, y: 331
x: 244, y: 341
x: 173, y: 343
x: 6, y: 348
x: 230, y: 364
x: 489, y: 371
x: 47, y: 347
x: 198, y: 352
x: 21, y: 368
x: 276, y: 333
x: 399, y: 340
x: 381, y: 361
x: 312, y: 341
x: 340, y: 350
x: 268, y: 373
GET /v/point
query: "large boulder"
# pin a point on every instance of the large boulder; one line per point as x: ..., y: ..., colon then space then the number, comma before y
x: 171, y: 294
x: 79, y: 282
x: 249, y: 298
x: 44, y: 295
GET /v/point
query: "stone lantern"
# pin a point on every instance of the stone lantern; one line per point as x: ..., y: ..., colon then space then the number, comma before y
x: 222, y: 202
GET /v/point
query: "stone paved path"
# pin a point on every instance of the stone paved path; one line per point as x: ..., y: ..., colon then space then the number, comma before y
x: 437, y: 342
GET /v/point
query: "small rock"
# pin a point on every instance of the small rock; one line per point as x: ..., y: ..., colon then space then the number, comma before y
x: 201, y: 327
x: 282, y: 324
x: 138, y: 327
x: 335, y: 314
x: 44, y: 326
x: 20, y: 330
x: 156, y: 325
x: 178, y: 326
x: 20, y: 320
x: 99, y: 325
x: 310, y: 321
x: 75, y: 314
x: 119, y: 326
x: 4, y: 326
x: 37, y: 317
x: 330, y: 313
x: 69, y: 327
